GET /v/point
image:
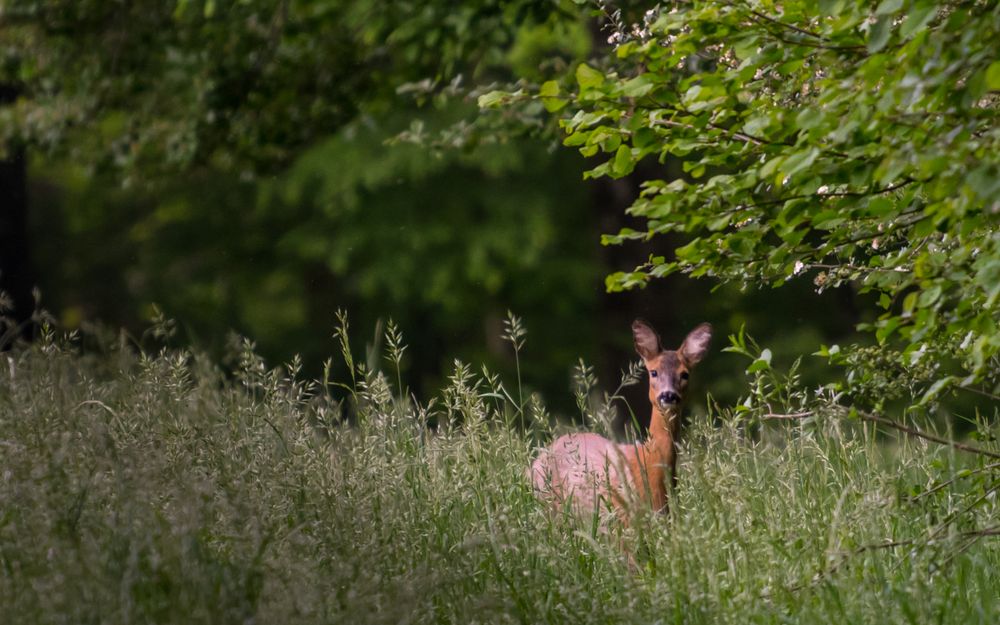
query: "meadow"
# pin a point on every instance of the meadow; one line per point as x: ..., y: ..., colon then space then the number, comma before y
x: 160, y: 488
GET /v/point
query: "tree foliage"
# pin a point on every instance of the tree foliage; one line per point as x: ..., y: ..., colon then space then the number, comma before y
x: 838, y: 141
x: 257, y: 165
x: 160, y: 87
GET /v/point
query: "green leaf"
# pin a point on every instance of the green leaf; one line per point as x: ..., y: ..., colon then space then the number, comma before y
x: 993, y: 76
x: 887, y: 7
x: 762, y: 363
x: 491, y: 99
x: 929, y: 296
x: 637, y: 87
x: 808, y: 118
x: 880, y: 206
x: 919, y: 16
x: 886, y: 328
x: 770, y: 167
x: 554, y: 104
x: 936, y: 389
x: 720, y: 222
x: 828, y: 219
x: 746, y: 47
x: 757, y: 124
x: 831, y: 7
x: 588, y: 77
x: 988, y: 278
x: 879, y: 33
x: 799, y: 161
x: 622, y: 164
x: 548, y: 91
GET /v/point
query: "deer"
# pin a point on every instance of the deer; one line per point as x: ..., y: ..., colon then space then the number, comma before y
x: 590, y: 473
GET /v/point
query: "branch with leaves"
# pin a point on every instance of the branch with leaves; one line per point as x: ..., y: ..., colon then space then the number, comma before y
x: 850, y: 144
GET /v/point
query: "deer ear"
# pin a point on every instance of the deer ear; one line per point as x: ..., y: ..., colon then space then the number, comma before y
x: 647, y: 342
x: 695, y: 345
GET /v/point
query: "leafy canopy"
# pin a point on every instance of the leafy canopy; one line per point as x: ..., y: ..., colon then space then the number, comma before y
x: 839, y: 140
x: 153, y: 88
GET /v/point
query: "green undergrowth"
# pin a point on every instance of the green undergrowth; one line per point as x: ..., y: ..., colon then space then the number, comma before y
x: 158, y: 488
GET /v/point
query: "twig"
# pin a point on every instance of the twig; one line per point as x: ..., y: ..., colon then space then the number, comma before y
x: 986, y: 531
x: 971, y: 535
x: 946, y: 483
x: 788, y: 26
x: 782, y: 200
x: 924, y: 435
x: 844, y: 557
x: 979, y: 392
x: 897, y: 426
x: 820, y: 46
x: 802, y: 31
x: 822, y: 196
x: 735, y: 134
x: 788, y: 417
x: 742, y: 136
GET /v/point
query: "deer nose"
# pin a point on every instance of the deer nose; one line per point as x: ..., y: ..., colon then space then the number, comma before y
x: 668, y: 398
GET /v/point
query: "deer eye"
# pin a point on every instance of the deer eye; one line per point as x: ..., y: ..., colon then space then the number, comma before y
x: 653, y: 373
x: 685, y: 375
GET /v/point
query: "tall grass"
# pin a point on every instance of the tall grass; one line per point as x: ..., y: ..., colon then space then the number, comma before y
x: 158, y: 488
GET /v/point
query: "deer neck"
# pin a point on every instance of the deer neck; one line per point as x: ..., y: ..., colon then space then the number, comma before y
x: 655, y: 461
x: 663, y: 429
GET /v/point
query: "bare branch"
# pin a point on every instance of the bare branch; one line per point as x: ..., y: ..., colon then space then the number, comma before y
x: 896, y: 426
x: 947, y: 483
x: 927, y: 436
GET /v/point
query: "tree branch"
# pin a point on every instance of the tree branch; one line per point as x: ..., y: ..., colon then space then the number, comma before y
x: 889, y: 189
x: 803, y: 31
x: 945, y: 484
x: 762, y: 19
x: 979, y: 392
x: 927, y: 436
x: 993, y: 530
x: 735, y: 134
x: 865, y: 416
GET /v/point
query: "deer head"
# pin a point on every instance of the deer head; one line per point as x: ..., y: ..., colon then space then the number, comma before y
x: 669, y: 369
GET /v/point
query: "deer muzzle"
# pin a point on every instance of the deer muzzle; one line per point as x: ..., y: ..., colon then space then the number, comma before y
x: 668, y: 398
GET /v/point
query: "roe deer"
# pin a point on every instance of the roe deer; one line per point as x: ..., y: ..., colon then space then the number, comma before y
x: 584, y: 470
